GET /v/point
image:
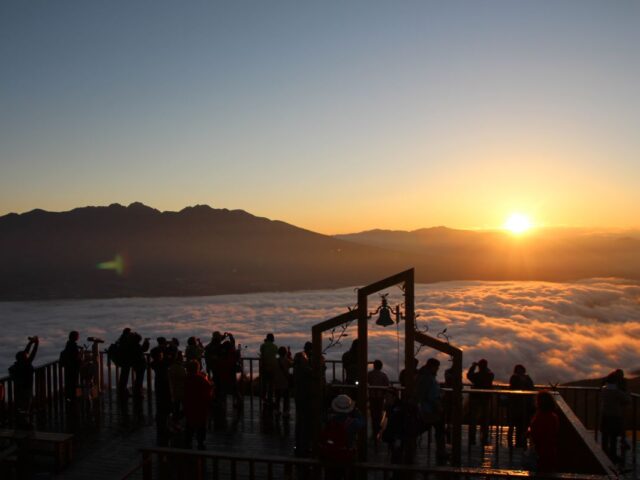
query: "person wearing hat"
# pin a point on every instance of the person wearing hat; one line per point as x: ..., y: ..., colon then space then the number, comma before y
x: 481, y: 377
x: 337, y: 443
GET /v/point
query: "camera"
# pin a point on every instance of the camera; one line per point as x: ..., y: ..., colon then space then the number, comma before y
x: 95, y: 340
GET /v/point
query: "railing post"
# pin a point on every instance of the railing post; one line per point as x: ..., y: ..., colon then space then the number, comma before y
x: 101, y: 370
x: 49, y: 389
x: 634, y: 438
x: 109, y: 374
x: 146, y: 465
x: 149, y: 390
x: 251, y: 389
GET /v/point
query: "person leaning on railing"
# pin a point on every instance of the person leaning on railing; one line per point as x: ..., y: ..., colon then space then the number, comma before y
x: 613, y: 401
x: 22, y: 375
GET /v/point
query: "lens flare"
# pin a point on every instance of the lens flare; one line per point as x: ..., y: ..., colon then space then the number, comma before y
x: 117, y: 265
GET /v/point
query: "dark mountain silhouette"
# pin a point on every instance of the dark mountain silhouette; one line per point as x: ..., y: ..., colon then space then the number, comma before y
x: 197, y: 251
x: 203, y: 251
x: 543, y: 254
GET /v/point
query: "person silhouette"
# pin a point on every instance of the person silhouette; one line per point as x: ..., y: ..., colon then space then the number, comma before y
x: 481, y: 377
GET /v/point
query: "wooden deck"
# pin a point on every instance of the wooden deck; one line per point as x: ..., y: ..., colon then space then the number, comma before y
x: 107, y: 441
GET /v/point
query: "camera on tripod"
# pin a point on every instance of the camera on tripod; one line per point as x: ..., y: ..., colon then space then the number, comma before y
x: 95, y: 340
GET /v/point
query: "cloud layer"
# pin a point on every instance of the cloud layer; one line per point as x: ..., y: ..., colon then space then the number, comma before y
x: 559, y: 331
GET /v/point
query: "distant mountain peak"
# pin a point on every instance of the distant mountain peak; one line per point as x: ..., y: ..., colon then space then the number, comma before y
x: 140, y: 207
x: 198, y: 209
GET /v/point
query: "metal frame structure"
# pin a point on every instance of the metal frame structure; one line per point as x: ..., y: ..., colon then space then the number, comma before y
x: 361, y: 313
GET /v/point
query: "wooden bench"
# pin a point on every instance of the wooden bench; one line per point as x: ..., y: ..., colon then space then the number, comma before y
x: 42, y: 442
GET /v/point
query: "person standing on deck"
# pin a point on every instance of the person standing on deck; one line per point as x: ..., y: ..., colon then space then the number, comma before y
x: 482, y: 378
x: 160, y: 361
x: 377, y: 378
x: 303, y: 394
x: 212, y: 356
x: 194, y: 350
x: 138, y: 362
x: 613, y: 400
x: 70, y: 358
x: 350, y: 364
x: 177, y: 374
x: 430, y: 410
x: 268, y: 365
x: 282, y: 381
x: 198, y: 395
x: 22, y: 375
x: 124, y: 355
x: 544, y: 430
x: 520, y: 407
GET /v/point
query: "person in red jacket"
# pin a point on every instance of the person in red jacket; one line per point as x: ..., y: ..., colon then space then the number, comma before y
x: 198, y: 394
x: 543, y: 430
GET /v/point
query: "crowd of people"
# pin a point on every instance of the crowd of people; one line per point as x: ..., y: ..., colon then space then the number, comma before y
x: 192, y: 385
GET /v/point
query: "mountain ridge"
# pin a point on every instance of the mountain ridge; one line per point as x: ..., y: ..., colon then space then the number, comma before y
x: 201, y: 250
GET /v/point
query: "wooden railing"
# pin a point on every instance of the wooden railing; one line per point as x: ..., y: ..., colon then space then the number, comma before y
x: 166, y: 463
x: 48, y: 400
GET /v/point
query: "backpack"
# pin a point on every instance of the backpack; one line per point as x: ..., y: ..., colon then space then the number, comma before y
x: 64, y: 358
x: 333, y: 444
x: 113, y: 352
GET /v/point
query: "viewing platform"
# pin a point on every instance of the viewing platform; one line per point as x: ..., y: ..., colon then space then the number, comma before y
x: 113, y: 439
x: 100, y: 435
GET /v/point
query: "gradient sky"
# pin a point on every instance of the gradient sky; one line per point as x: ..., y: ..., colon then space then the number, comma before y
x: 334, y: 116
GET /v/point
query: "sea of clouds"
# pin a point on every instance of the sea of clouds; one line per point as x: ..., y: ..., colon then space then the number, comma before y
x: 559, y: 331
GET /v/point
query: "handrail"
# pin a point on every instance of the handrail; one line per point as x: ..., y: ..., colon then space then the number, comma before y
x: 315, y: 465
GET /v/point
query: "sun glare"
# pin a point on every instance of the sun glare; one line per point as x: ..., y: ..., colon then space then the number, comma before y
x: 518, y: 223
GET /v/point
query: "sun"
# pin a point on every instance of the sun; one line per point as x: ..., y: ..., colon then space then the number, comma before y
x: 518, y: 223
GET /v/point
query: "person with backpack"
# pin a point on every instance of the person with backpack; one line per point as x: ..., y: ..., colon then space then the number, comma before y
x: 430, y: 407
x: 350, y: 364
x: 70, y: 359
x: 338, y: 438
x: 398, y: 427
x: 21, y: 373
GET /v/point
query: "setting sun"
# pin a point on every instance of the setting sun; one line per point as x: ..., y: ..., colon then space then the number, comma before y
x: 518, y: 223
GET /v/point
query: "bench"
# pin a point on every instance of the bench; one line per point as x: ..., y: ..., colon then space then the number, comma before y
x: 42, y: 442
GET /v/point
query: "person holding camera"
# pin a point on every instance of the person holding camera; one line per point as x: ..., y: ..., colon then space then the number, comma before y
x: 22, y: 375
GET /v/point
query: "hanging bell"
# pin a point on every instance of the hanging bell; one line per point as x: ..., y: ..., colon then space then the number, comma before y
x: 384, y: 320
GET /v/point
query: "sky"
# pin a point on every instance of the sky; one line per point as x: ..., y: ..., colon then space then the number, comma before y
x: 334, y: 116
x: 559, y: 331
